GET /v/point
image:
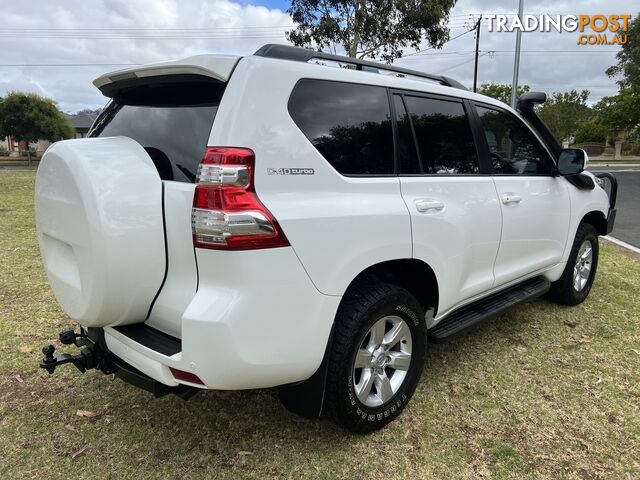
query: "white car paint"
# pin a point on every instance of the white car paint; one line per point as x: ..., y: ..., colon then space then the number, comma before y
x: 535, y: 225
x: 261, y: 318
x: 99, y: 225
x: 460, y: 240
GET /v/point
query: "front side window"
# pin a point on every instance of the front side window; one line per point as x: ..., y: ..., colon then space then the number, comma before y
x: 445, y: 142
x: 349, y: 124
x: 512, y: 148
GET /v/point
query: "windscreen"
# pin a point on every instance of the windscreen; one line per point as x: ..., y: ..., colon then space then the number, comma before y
x: 171, y: 117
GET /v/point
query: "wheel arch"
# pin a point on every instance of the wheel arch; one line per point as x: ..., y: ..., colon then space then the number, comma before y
x: 306, y: 398
x: 414, y: 275
x: 597, y: 219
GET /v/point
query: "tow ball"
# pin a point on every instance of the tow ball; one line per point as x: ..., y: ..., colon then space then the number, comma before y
x: 87, y: 359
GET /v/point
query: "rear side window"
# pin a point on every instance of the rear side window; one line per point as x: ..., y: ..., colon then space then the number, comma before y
x: 349, y: 124
x: 445, y: 142
x: 171, y: 119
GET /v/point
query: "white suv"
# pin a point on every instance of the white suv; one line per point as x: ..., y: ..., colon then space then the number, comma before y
x: 270, y: 220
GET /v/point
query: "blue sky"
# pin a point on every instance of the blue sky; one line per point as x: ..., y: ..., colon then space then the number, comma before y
x: 282, y: 5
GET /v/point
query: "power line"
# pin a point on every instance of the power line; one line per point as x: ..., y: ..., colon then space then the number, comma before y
x: 138, y: 29
x: 144, y: 37
x: 460, y: 64
x: 68, y: 64
x: 504, y: 53
x: 431, y: 48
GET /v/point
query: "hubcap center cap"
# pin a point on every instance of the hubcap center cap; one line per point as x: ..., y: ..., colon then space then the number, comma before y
x: 379, y: 358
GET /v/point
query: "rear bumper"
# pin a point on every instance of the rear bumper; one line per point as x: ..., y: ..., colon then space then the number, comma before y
x: 110, y: 363
x: 261, y: 323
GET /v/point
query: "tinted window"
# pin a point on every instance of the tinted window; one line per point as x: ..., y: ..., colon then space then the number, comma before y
x: 444, y: 136
x: 512, y: 148
x: 408, y: 162
x: 172, y: 122
x: 349, y: 124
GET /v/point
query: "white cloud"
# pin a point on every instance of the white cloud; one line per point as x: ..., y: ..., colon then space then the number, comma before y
x: 177, y: 29
x: 186, y: 27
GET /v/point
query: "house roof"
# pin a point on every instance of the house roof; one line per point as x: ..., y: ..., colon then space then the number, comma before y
x: 81, y: 120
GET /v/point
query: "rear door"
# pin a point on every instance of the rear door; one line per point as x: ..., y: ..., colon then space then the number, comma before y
x: 535, y: 204
x: 455, y: 215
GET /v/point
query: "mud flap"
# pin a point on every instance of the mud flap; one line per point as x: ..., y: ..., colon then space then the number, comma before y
x: 306, y: 398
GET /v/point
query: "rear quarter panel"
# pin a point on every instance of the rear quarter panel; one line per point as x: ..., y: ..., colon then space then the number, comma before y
x: 338, y: 226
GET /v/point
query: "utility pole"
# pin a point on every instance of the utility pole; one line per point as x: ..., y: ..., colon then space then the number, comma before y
x: 475, y: 69
x: 516, y: 60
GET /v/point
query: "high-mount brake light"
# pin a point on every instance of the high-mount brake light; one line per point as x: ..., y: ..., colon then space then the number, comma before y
x: 227, y: 213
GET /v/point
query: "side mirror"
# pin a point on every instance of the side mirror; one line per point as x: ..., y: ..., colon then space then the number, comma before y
x: 572, y: 161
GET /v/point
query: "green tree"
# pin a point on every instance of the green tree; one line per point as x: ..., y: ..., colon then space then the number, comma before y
x: 30, y: 117
x: 377, y: 29
x: 564, y: 112
x: 501, y: 91
x: 621, y: 111
x: 628, y: 57
x: 591, y: 131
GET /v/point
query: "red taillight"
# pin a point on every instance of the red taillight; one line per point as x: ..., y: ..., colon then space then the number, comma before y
x: 185, y: 376
x: 227, y: 214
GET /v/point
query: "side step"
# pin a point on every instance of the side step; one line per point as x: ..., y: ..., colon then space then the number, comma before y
x: 496, y: 303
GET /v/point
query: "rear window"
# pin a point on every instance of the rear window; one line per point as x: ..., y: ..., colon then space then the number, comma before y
x: 170, y: 117
x: 349, y: 124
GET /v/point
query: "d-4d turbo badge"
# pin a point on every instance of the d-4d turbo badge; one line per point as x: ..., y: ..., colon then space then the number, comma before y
x: 290, y: 171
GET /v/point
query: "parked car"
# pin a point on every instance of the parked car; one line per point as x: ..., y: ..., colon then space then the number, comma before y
x: 305, y: 221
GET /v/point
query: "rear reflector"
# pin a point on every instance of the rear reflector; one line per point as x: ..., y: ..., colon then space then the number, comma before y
x: 227, y: 214
x: 185, y: 376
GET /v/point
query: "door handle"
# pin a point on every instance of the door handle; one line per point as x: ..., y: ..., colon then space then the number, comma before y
x: 511, y: 197
x: 424, y: 206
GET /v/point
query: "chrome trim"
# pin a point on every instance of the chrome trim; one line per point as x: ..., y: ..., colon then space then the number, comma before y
x: 214, y: 226
x: 210, y: 174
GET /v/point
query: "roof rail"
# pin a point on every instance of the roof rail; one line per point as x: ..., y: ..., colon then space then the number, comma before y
x: 286, y: 52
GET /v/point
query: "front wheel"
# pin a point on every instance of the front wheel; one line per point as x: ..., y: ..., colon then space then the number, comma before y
x: 377, y: 356
x: 578, y: 276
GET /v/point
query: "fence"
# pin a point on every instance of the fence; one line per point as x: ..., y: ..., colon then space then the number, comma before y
x: 26, y: 158
x: 619, y: 151
x: 592, y: 149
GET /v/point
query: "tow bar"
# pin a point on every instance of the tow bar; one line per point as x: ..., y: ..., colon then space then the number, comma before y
x: 87, y: 359
x: 96, y: 355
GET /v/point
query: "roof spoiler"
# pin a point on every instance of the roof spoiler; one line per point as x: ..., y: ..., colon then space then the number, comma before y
x: 216, y: 67
x: 525, y: 105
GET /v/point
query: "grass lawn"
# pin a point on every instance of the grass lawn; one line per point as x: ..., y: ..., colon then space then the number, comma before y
x: 541, y: 392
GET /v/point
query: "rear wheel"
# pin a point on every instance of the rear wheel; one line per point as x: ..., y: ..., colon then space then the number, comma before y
x: 377, y: 356
x: 578, y: 276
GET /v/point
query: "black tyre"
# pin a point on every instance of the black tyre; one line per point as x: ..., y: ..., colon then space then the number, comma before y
x: 576, y: 281
x: 377, y: 356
